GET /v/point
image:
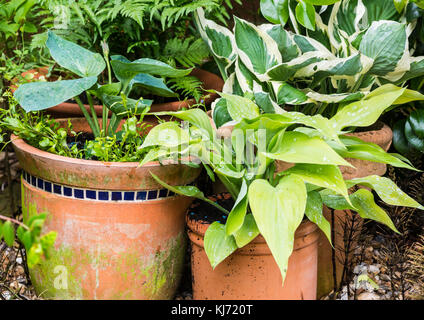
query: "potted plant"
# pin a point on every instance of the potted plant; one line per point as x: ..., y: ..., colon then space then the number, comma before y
x: 133, y: 29
x: 313, y: 73
x: 269, y: 206
x: 120, y: 234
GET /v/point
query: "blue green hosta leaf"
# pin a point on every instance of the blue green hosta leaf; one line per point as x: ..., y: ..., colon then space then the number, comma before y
x: 364, y: 204
x: 387, y: 190
x: 248, y: 231
x: 36, y: 96
x: 167, y: 134
x: 240, y: 108
x: 238, y: 212
x: 385, y: 42
x: 153, y: 85
x: 326, y: 176
x: 258, y: 51
x: 218, y: 245
x: 278, y: 212
x: 313, y: 211
x: 297, y: 147
x: 365, y: 112
x: 74, y: 58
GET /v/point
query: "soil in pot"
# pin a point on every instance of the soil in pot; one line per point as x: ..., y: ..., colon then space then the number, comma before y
x: 120, y: 234
x: 251, y: 272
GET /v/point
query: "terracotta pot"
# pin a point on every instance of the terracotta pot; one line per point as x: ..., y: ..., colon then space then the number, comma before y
x: 67, y: 109
x: 120, y: 235
x: 251, y: 272
x: 383, y: 138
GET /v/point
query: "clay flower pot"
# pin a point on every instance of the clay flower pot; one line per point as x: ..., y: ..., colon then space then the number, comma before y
x: 251, y: 272
x: 344, y: 219
x: 69, y: 109
x: 120, y: 235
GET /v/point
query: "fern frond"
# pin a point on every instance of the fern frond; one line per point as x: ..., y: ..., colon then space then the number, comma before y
x: 187, y: 52
x: 189, y: 87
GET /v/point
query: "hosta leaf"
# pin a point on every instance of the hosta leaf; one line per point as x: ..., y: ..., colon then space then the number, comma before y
x: 325, y: 176
x: 218, y: 245
x: 275, y: 11
x: 313, y: 211
x: 286, y: 94
x: 240, y: 108
x: 73, y: 57
x: 305, y: 14
x: 167, y: 134
x: 284, y: 39
x: 297, y: 147
x: 36, y: 96
x: 220, y: 113
x: 413, y: 139
x: 258, y: 51
x: 364, y: 204
x: 248, y: 231
x: 278, y: 212
x: 387, y: 190
x: 385, y: 42
x: 238, y: 212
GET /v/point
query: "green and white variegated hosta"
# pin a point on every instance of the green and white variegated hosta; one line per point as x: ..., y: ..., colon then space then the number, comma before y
x: 357, y: 49
x: 274, y: 204
x: 146, y: 73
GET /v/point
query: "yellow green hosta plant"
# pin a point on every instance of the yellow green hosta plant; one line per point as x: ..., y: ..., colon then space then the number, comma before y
x: 275, y: 203
x: 317, y: 73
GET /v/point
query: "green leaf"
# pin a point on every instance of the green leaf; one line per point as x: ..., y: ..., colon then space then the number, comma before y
x: 364, y: 204
x: 167, y: 134
x: 122, y: 106
x: 366, y: 112
x: 240, y: 108
x: 290, y: 95
x: 36, y: 96
x: 220, y: 113
x: 248, y: 231
x: 27, y: 240
x: 297, y: 147
x: 8, y: 232
x: 321, y: 2
x: 400, y: 142
x: 385, y: 42
x: 305, y: 14
x: 153, y: 85
x: 275, y: 11
x: 47, y: 242
x: 387, y: 190
x: 278, y: 212
x: 257, y: 50
x: 326, y: 176
x: 74, y: 57
x: 238, y: 212
x: 400, y: 5
x: 218, y: 245
x: 34, y: 255
x: 196, y: 117
x: 313, y: 211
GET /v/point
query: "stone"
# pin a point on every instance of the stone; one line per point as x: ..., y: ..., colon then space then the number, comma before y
x: 373, y: 269
x: 368, y: 296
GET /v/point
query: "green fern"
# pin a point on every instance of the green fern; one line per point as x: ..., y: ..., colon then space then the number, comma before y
x: 188, y: 87
x: 187, y: 52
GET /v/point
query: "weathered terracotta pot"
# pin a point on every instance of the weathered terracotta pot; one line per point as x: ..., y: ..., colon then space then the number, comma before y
x: 67, y: 109
x: 251, y: 272
x: 342, y: 219
x: 120, y: 235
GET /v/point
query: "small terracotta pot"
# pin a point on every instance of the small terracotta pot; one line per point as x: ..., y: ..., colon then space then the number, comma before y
x: 251, y: 272
x: 120, y: 235
x: 68, y: 109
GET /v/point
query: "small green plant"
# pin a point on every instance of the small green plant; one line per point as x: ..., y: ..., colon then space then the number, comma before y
x: 273, y: 203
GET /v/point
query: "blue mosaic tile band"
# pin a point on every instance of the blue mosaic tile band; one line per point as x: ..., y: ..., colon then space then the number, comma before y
x: 99, y: 195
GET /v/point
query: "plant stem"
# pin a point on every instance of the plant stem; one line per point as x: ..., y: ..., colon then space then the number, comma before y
x: 87, y: 117
x: 93, y: 111
x: 216, y: 206
x: 333, y: 253
x: 14, y: 221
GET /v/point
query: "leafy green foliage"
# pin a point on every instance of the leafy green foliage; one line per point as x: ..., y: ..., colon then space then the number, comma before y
x: 408, y: 134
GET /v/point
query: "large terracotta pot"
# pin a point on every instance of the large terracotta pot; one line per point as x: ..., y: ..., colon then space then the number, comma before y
x: 251, y: 272
x: 120, y: 235
x: 344, y: 219
x: 68, y: 109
